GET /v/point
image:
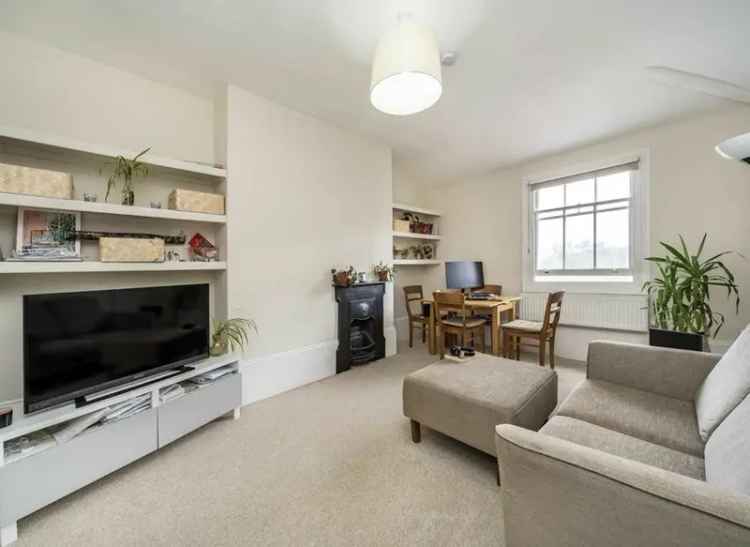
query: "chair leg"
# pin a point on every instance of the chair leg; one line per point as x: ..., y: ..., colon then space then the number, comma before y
x: 518, y: 348
x: 411, y: 334
x: 441, y: 340
x: 542, y: 347
x: 506, y: 341
x: 424, y: 333
x: 552, y: 353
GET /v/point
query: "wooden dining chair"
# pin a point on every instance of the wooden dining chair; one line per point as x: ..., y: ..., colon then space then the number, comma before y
x: 417, y: 317
x: 497, y: 290
x: 543, y: 332
x: 451, y: 317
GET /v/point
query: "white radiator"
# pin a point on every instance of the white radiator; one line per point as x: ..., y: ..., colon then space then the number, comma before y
x: 600, y: 311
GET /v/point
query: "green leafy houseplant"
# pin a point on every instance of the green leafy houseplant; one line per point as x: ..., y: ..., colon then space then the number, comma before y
x: 126, y: 170
x: 231, y: 335
x: 679, y: 296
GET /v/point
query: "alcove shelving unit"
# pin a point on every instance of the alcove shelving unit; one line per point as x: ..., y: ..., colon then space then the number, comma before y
x: 85, y: 162
x: 401, y: 238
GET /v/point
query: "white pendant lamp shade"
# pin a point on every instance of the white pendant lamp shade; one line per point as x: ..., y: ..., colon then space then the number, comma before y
x: 406, y: 73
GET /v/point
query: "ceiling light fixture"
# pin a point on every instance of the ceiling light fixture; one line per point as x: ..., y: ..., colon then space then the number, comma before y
x: 406, y: 71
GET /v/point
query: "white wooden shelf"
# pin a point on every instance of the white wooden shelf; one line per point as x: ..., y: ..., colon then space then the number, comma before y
x: 415, y: 209
x: 55, y: 141
x: 410, y: 235
x: 38, y: 202
x: 95, y: 266
x: 27, y: 424
x: 416, y: 262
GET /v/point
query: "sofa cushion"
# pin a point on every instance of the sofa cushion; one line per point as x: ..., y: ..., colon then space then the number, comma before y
x: 647, y: 416
x: 725, y: 386
x: 728, y: 451
x: 624, y: 446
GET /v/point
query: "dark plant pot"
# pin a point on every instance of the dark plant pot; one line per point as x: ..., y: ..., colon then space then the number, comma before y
x: 128, y: 198
x: 675, y: 339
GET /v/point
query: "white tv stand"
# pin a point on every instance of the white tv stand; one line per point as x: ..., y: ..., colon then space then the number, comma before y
x: 30, y: 483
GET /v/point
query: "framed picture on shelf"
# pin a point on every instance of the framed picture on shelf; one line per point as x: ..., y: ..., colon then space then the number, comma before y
x: 47, y: 235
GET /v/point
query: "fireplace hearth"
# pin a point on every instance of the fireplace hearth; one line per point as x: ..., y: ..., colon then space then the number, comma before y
x: 360, y: 325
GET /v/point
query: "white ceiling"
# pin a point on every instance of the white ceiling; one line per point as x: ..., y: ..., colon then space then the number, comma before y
x: 533, y: 77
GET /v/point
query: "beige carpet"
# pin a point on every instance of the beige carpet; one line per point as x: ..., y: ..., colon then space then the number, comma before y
x: 327, y: 464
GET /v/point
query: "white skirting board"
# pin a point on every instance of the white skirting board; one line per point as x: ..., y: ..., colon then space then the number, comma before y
x: 269, y: 375
x: 402, y: 327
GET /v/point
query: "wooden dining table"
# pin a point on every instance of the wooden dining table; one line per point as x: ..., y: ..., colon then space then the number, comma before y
x: 499, y: 306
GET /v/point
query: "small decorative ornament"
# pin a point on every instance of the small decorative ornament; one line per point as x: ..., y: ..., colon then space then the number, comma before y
x: 203, y: 250
x: 90, y: 196
x: 6, y: 417
x: 156, y: 204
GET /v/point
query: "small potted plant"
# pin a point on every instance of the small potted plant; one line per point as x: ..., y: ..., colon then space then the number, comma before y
x: 384, y: 272
x: 230, y: 335
x: 127, y: 170
x: 680, y: 313
x: 343, y: 278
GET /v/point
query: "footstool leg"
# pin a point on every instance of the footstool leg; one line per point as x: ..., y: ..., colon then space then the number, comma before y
x: 497, y: 473
x: 416, y: 431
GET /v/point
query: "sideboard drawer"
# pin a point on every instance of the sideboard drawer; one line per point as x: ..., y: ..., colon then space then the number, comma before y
x: 197, y: 408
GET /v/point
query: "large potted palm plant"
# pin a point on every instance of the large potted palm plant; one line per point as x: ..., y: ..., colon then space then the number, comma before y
x: 680, y: 313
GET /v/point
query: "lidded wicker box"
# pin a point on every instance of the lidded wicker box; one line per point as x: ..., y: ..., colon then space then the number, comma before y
x: 18, y: 179
x: 196, y: 202
x: 131, y: 249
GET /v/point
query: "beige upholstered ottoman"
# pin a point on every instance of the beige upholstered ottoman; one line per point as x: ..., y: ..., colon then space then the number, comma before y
x: 467, y: 400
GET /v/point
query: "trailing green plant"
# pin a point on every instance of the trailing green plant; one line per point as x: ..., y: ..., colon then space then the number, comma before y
x: 126, y: 170
x: 679, y: 296
x: 231, y: 335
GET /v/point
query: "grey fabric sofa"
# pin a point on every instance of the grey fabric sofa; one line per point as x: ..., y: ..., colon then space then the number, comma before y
x: 653, y: 448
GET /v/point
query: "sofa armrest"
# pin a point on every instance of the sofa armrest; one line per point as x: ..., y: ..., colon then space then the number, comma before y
x: 555, y: 492
x: 671, y: 372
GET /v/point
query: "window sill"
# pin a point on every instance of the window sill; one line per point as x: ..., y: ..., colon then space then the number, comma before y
x: 625, y: 285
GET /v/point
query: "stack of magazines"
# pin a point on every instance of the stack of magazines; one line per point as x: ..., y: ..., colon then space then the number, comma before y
x: 212, y: 375
x: 126, y: 409
x: 172, y: 392
x: 43, y: 254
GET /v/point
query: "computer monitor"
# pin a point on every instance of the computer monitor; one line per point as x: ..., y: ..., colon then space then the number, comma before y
x: 464, y: 275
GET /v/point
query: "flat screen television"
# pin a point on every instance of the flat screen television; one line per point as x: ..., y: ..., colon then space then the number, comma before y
x: 464, y: 275
x: 79, y: 343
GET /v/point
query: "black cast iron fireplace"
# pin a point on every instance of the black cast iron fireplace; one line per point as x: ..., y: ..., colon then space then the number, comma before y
x: 361, y: 337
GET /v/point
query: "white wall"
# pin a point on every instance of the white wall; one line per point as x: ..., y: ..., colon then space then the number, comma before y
x: 692, y: 190
x: 63, y: 94
x: 305, y: 197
